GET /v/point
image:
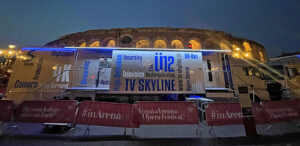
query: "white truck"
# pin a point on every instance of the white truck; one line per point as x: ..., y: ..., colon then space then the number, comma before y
x: 126, y: 74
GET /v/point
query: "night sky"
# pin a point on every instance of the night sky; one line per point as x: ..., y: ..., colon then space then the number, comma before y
x: 273, y: 23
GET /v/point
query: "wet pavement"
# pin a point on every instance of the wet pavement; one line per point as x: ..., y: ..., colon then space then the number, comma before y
x: 34, y: 134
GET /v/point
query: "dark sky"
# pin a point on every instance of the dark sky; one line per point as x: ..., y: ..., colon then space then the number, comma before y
x: 273, y: 23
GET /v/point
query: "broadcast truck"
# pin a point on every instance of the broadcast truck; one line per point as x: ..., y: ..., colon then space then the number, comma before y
x: 127, y: 74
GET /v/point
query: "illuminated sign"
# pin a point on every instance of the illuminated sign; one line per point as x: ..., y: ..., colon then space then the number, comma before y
x: 156, y: 72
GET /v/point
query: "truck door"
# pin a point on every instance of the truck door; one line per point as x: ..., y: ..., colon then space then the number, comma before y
x: 227, y: 72
x: 210, y: 69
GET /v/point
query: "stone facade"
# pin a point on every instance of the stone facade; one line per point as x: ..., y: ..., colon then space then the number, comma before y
x: 161, y: 38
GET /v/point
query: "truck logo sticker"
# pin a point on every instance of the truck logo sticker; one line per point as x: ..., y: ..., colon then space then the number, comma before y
x: 156, y: 72
x: 118, y: 72
x: 62, y: 53
x: 62, y: 73
x: 38, y: 69
x: 31, y: 56
x: 85, y: 73
x: 20, y: 84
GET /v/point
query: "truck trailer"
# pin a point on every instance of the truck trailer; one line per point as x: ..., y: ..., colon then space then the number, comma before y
x: 127, y: 74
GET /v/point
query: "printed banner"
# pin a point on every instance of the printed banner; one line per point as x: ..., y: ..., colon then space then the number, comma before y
x: 107, y: 114
x: 46, y: 111
x: 156, y: 72
x: 167, y: 113
x: 264, y: 112
x: 280, y: 111
x: 259, y: 113
x: 6, y: 110
x: 223, y: 114
x: 48, y: 68
x: 93, y: 69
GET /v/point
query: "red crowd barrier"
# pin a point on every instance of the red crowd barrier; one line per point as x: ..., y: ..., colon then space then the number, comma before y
x: 6, y: 110
x: 107, y: 114
x: 167, y: 113
x: 2, y: 90
x: 223, y: 114
x: 266, y: 112
x: 258, y: 113
x: 46, y: 111
x: 280, y: 111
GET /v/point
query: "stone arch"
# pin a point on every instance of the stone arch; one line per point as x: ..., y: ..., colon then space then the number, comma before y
x: 81, y: 43
x: 126, y: 40
x: 143, y: 44
x: 258, y: 52
x: 211, y: 44
x: 109, y: 42
x: 262, y: 57
x: 247, y: 48
x: 237, y: 49
x: 237, y: 46
x: 94, y: 43
x: 160, y: 42
x: 177, y: 44
x: 145, y: 39
x: 225, y: 45
x: 70, y: 44
x: 195, y: 43
x: 62, y: 44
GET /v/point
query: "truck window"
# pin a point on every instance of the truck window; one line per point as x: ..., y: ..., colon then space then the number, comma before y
x: 210, y: 78
x: 250, y: 71
x: 276, y: 71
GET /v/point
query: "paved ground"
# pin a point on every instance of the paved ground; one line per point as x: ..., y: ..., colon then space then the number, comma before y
x: 287, y: 133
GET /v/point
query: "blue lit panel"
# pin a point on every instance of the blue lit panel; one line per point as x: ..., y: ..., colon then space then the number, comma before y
x: 298, y: 56
x: 195, y: 96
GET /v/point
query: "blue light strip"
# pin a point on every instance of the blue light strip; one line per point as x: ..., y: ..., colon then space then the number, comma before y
x: 152, y: 49
x: 118, y: 48
x: 87, y: 88
x: 298, y: 56
x: 51, y: 49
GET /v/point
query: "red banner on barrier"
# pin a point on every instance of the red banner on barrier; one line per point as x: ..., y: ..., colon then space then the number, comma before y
x: 106, y: 114
x: 6, y: 109
x: 223, y: 114
x: 280, y: 111
x: 167, y: 113
x: 46, y: 111
x: 259, y: 113
x: 265, y: 112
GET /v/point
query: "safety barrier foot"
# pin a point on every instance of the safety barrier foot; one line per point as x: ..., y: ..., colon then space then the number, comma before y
x: 133, y: 133
x: 87, y: 131
x: 124, y: 132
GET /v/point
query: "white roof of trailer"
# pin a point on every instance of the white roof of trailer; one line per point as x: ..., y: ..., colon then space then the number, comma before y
x: 123, y: 48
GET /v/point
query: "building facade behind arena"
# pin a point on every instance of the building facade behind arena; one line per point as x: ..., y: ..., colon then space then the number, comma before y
x: 163, y: 38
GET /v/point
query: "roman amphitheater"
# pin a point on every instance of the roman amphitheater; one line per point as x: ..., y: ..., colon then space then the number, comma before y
x: 163, y: 37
